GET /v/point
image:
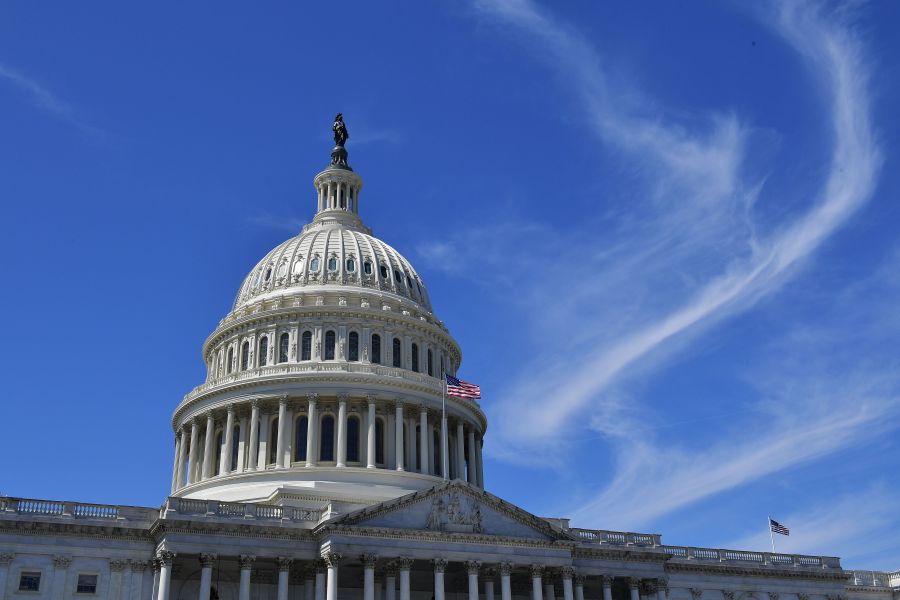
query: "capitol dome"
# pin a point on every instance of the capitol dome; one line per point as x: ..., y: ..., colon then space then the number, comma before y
x: 324, y: 386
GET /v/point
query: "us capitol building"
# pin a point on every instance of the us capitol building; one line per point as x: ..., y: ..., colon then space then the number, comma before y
x: 314, y: 464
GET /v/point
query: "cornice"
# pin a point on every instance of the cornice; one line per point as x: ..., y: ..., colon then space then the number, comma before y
x: 163, y: 527
x: 613, y: 553
x: 443, y: 537
x: 68, y: 529
x: 732, y: 569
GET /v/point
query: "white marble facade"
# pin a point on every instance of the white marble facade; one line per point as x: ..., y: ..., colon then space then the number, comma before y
x: 320, y: 460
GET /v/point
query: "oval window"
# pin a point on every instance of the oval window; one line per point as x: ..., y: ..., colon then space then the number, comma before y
x: 397, y: 276
x: 332, y: 264
x: 314, y: 264
x: 351, y: 266
x: 384, y: 274
x: 367, y: 267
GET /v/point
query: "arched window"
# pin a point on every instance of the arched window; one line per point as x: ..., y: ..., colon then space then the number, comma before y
x: 430, y: 363
x: 220, y: 441
x: 367, y: 268
x: 398, y: 358
x: 353, y: 347
x: 273, y: 441
x: 329, y: 345
x: 235, y: 436
x: 332, y: 264
x: 379, y: 441
x: 326, y: 448
x: 230, y: 364
x: 351, y: 265
x: 415, y: 358
x: 314, y: 265
x: 283, y: 342
x: 376, y: 349
x: 438, y: 465
x: 418, y: 441
x: 384, y: 272
x: 306, y: 346
x: 397, y: 276
x: 264, y: 351
x: 245, y: 355
x: 353, y: 439
x: 302, y: 432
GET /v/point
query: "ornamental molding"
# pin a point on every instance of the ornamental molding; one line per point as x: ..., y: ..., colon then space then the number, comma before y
x: 729, y: 569
x: 440, y: 537
x: 161, y: 528
x: 99, y: 531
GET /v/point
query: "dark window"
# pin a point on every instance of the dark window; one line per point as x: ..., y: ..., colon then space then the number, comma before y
x: 29, y: 581
x: 283, y: 342
x: 353, y: 347
x: 438, y: 466
x: 430, y: 363
x: 87, y: 584
x: 273, y: 441
x: 418, y: 445
x: 228, y: 366
x: 332, y: 264
x: 245, y: 355
x: 235, y: 437
x: 220, y: 441
x: 268, y: 274
x: 352, y: 439
x: 329, y: 345
x: 379, y: 441
x: 376, y: 349
x: 384, y: 272
x: 306, y: 346
x: 314, y: 265
x: 397, y: 276
x: 263, y: 351
x: 409, y: 282
x: 367, y: 268
x: 351, y: 265
x: 302, y: 431
x: 326, y: 449
x: 398, y: 359
x: 415, y: 358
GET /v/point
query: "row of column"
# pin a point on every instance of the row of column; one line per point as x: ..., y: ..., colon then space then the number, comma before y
x: 337, y: 194
x: 323, y: 585
x: 467, y: 463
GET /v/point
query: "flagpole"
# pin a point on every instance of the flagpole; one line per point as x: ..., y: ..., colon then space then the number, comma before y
x: 771, y: 535
x: 445, y: 466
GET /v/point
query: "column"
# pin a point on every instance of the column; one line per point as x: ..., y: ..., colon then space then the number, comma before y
x: 182, y: 451
x: 243, y: 443
x: 472, y: 567
x: 369, y: 561
x: 579, y: 587
x: 460, y: 453
x: 536, y: 592
x: 279, y: 445
x: 445, y: 447
x: 320, y: 580
x: 439, y: 566
x: 262, y: 456
x: 192, y: 457
x: 479, y: 463
x: 254, y: 434
x: 165, y: 574
x: 370, y: 437
x: 312, y: 430
x: 567, y: 574
x: 472, y: 476
x: 489, y: 587
x: 634, y: 587
x: 379, y: 588
x: 342, y: 431
x: 505, y: 584
x: 398, y: 434
x: 206, y: 565
x: 662, y: 586
x: 5, y: 559
x: 208, y: 446
x: 424, y: 439
x: 246, y: 562
x: 225, y: 463
x: 405, y: 564
x: 284, y: 571
x: 127, y: 581
x: 175, y: 466
x: 116, y: 567
x: 549, y: 590
x: 331, y: 561
x: 390, y: 583
x: 309, y: 584
x: 410, y: 443
x: 136, y: 587
x: 607, y: 587
x: 155, y: 562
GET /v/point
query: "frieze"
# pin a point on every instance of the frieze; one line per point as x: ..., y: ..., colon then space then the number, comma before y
x: 448, y: 513
x: 730, y: 569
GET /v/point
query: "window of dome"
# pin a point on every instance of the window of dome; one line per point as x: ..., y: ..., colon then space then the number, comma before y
x: 397, y: 276
x: 384, y: 272
x: 351, y: 265
x: 408, y: 282
x: 269, y: 273
x: 332, y: 264
x: 314, y: 264
x: 367, y: 268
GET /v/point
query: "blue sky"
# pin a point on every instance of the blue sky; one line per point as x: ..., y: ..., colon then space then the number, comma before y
x: 664, y: 236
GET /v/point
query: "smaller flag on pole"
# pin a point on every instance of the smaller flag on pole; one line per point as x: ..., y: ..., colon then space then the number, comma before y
x: 777, y: 527
x: 462, y: 389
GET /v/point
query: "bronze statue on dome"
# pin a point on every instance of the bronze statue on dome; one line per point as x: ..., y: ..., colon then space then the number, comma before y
x: 340, y: 130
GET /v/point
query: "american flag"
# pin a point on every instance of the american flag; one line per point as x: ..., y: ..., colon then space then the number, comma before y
x: 778, y: 527
x: 462, y: 389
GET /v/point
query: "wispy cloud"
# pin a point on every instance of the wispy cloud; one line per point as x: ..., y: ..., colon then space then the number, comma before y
x: 690, y: 253
x: 45, y: 100
x: 267, y: 220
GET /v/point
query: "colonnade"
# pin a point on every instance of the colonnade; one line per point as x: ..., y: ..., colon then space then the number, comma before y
x: 311, y: 432
x: 392, y: 580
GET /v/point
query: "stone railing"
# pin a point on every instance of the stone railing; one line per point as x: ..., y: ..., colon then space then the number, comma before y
x: 75, y: 510
x: 237, y: 510
x: 874, y: 579
x: 617, y: 538
x: 748, y: 557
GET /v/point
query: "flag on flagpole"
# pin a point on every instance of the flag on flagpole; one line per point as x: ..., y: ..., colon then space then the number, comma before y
x: 777, y: 527
x: 462, y: 389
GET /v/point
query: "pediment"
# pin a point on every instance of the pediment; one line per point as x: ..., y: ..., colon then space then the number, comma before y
x: 453, y: 507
